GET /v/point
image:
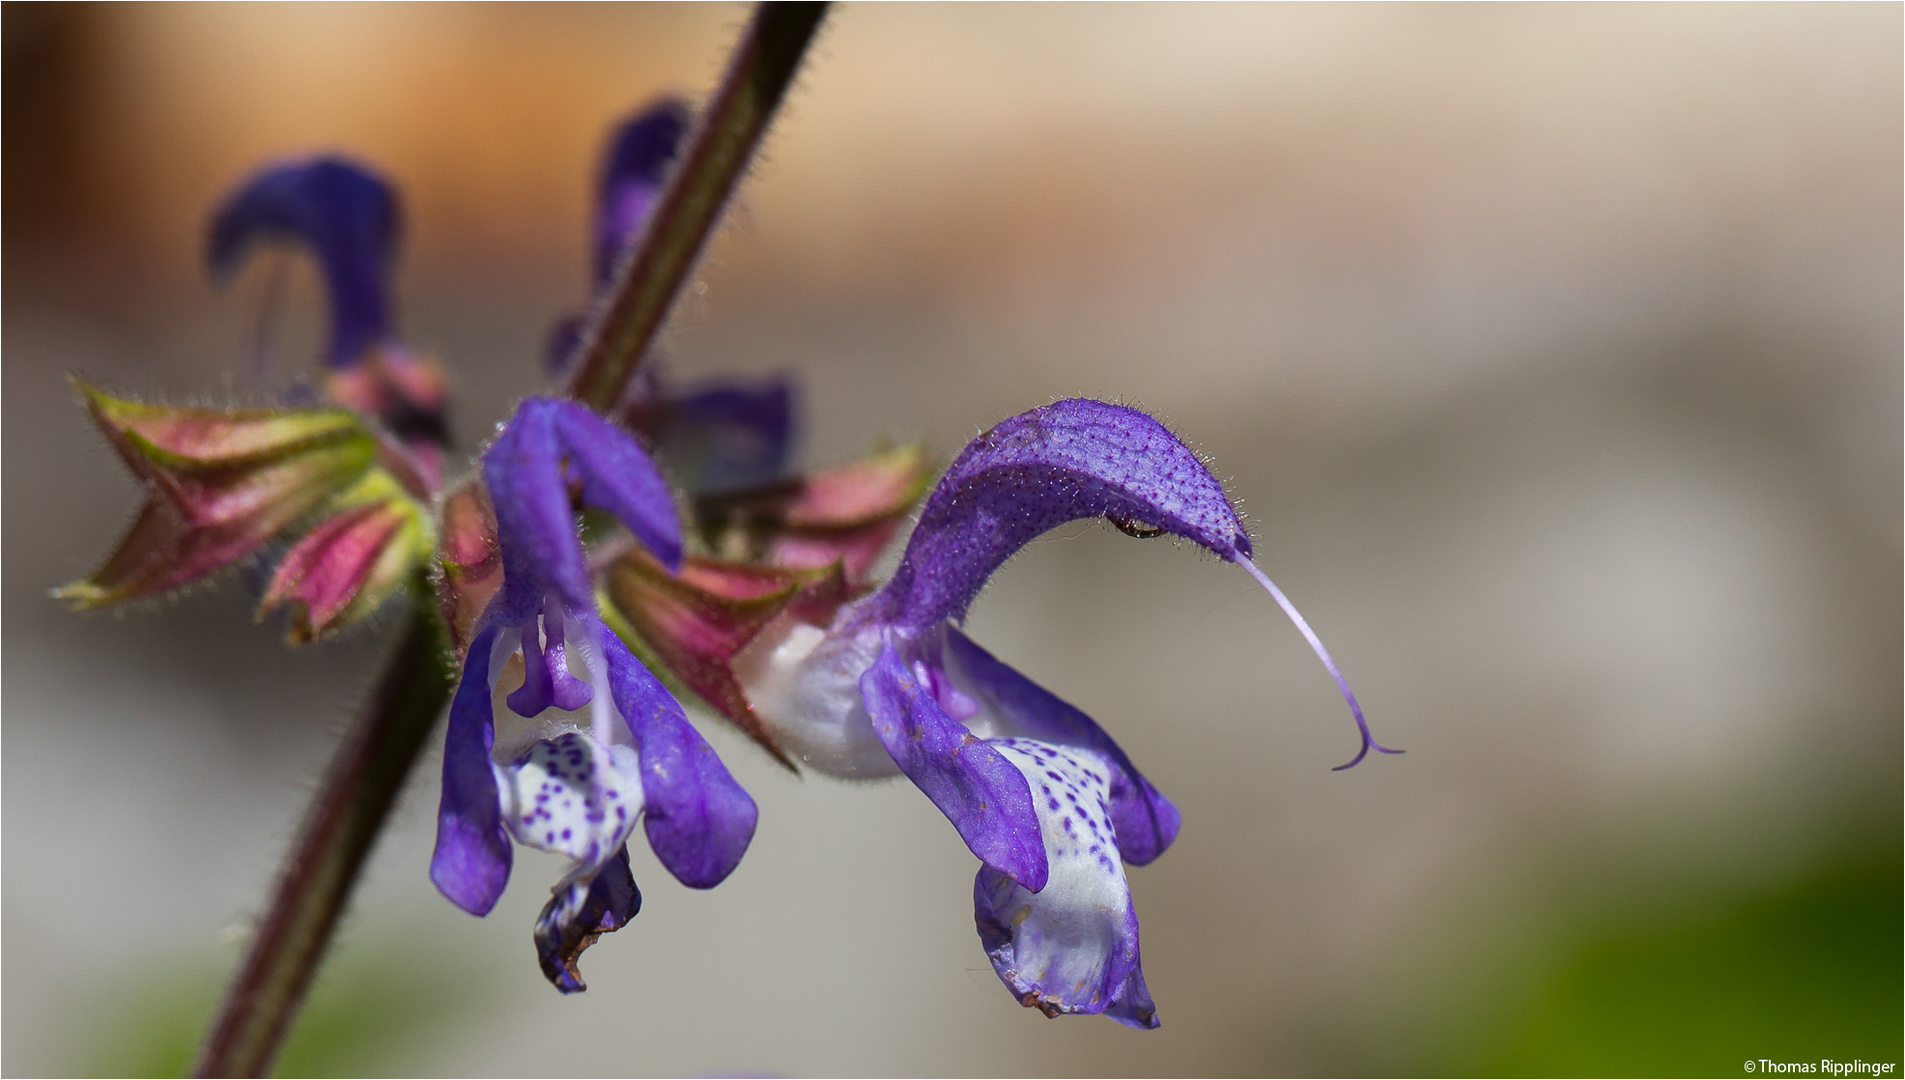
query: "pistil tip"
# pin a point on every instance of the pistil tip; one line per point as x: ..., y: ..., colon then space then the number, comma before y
x: 1323, y: 654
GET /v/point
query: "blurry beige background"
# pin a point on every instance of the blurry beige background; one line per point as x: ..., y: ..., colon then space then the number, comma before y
x: 1554, y: 353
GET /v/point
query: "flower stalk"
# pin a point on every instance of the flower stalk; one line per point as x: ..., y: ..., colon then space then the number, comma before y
x: 712, y: 163
x: 335, y: 840
x: 362, y: 782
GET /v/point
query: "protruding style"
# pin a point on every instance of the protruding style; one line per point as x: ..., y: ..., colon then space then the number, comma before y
x: 1049, y: 803
x: 348, y: 217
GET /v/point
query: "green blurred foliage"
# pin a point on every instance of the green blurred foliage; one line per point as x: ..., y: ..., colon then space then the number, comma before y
x: 1807, y: 971
x: 374, y: 1011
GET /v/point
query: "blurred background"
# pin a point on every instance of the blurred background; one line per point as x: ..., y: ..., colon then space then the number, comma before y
x: 1553, y: 352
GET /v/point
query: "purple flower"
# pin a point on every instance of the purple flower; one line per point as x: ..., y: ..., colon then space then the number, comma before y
x: 632, y: 173
x: 722, y: 435
x: 575, y: 787
x: 719, y: 435
x: 348, y: 216
x: 634, y: 166
x: 1045, y: 798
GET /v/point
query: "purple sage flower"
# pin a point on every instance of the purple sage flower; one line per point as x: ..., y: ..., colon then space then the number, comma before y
x: 718, y: 435
x: 638, y: 159
x: 1049, y: 803
x: 348, y: 216
x: 568, y: 785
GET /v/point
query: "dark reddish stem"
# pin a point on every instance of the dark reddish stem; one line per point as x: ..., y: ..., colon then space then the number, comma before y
x: 657, y: 264
x: 336, y: 838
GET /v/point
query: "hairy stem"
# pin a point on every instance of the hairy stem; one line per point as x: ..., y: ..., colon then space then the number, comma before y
x: 654, y: 268
x: 339, y: 829
x: 350, y: 807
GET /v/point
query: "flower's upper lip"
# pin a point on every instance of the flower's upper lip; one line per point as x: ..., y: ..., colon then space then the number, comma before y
x: 346, y: 214
x: 549, y: 444
x: 638, y: 157
x: 1072, y: 459
x: 1077, y: 458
